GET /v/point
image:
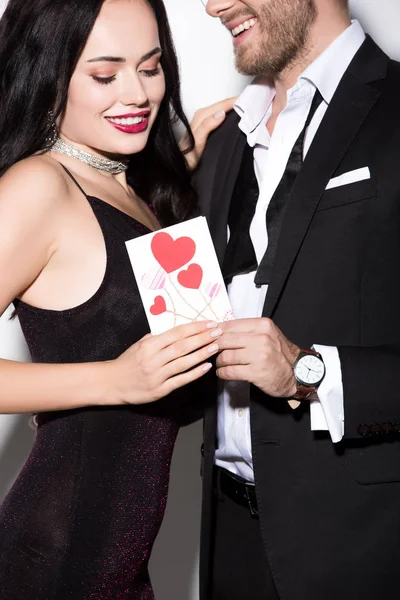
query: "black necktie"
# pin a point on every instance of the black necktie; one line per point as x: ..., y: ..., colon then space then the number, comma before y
x: 240, y: 256
x: 279, y: 201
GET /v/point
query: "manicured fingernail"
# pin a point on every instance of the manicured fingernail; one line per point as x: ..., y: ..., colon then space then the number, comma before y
x: 213, y: 348
x: 219, y: 115
x: 216, y: 332
x: 206, y: 367
x: 212, y: 324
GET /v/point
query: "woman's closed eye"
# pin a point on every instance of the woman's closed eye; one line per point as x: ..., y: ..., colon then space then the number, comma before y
x: 111, y: 78
x: 104, y: 80
x: 152, y: 72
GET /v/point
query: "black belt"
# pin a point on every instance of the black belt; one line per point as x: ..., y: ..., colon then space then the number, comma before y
x: 237, y: 489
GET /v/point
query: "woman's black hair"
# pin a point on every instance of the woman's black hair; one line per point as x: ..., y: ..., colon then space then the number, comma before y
x: 40, y: 44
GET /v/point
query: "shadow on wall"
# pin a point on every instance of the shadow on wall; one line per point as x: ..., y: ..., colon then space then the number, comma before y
x: 174, y: 563
x: 378, y: 19
x: 14, y: 449
x: 16, y: 436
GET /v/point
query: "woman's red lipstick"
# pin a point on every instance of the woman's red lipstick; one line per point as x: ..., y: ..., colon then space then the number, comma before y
x: 134, y: 127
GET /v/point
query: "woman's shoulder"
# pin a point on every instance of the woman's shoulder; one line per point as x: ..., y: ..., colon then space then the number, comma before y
x: 38, y: 177
x: 34, y: 194
x: 30, y: 211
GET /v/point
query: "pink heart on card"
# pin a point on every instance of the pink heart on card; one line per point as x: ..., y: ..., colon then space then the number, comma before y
x: 191, y: 277
x: 159, y: 306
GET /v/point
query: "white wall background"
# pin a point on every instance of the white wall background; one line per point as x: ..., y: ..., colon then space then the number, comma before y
x: 205, y: 54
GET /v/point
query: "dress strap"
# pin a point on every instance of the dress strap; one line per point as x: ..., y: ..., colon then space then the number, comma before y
x: 74, y: 180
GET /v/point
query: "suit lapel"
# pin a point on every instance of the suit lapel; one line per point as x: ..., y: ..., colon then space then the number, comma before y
x: 346, y: 113
x: 227, y: 168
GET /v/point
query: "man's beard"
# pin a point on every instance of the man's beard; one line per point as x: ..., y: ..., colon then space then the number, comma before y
x: 284, y: 30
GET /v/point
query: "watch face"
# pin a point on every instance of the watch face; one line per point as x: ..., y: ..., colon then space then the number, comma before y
x: 310, y: 370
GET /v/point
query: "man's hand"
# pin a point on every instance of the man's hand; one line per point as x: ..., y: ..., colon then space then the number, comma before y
x: 255, y: 350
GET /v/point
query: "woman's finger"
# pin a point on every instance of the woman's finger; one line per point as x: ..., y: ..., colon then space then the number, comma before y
x: 181, y: 332
x: 204, y: 122
x: 184, y: 378
x: 187, y: 362
x: 189, y: 345
x: 223, y: 106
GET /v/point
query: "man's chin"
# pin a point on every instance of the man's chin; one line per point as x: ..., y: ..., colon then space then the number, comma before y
x: 247, y: 68
x: 246, y: 63
x: 243, y: 66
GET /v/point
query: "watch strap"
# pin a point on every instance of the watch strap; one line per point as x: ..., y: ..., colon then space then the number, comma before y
x: 304, y: 392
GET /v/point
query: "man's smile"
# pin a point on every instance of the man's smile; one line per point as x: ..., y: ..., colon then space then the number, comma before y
x: 243, y: 27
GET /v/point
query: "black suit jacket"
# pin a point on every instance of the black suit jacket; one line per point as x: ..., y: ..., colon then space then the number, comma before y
x: 329, y: 514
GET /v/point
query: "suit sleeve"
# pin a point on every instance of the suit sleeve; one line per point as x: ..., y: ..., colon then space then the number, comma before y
x: 371, y: 377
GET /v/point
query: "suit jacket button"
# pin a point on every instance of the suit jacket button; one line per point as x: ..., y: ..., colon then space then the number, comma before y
x: 202, y: 450
x: 364, y: 430
x: 375, y: 428
x: 387, y: 427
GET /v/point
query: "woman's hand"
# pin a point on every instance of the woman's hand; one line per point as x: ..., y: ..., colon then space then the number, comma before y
x: 204, y: 122
x: 157, y: 365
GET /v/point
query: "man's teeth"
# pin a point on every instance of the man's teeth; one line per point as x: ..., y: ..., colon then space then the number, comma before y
x: 126, y: 121
x: 243, y: 26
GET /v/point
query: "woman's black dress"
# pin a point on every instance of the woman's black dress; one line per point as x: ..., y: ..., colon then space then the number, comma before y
x: 82, y: 516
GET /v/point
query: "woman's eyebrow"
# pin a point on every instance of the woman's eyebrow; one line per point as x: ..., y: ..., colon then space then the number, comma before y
x: 120, y: 59
x: 148, y: 55
x: 116, y: 59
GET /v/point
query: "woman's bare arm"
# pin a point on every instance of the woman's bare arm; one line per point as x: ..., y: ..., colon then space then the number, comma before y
x: 30, y: 197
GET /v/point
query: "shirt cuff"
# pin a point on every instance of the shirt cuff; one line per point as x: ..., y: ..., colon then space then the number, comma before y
x: 327, y: 413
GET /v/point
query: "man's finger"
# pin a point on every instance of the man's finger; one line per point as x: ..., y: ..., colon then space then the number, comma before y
x: 258, y: 325
x: 232, y: 340
x: 234, y: 373
x: 232, y: 358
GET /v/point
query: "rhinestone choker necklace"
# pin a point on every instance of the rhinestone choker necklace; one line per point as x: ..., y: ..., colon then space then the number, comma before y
x: 105, y: 165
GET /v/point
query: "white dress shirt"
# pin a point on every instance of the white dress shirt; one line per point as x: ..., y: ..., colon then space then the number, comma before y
x: 271, y: 154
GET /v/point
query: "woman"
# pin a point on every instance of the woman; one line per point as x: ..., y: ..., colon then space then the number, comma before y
x: 86, y: 89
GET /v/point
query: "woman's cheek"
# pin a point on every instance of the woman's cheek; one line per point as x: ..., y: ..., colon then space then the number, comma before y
x: 158, y: 92
x: 90, y: 97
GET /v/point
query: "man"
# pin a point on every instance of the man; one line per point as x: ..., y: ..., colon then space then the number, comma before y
x: 301, y: 187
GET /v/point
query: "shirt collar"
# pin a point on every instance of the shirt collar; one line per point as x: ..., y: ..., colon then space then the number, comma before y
x: 253, y: 104
x: 324, y: 73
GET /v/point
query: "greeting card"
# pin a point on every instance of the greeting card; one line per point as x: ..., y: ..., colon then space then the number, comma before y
x: 178, y: 276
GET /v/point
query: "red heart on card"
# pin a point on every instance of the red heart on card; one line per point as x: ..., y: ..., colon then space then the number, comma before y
x: 159, y: 306
x: 192, y: 277
x: 172, y: 254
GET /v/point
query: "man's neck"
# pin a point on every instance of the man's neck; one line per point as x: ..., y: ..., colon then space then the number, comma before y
x: 325, y: 30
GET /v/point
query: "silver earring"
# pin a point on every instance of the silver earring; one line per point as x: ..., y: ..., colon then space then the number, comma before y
x: 52, y: 129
